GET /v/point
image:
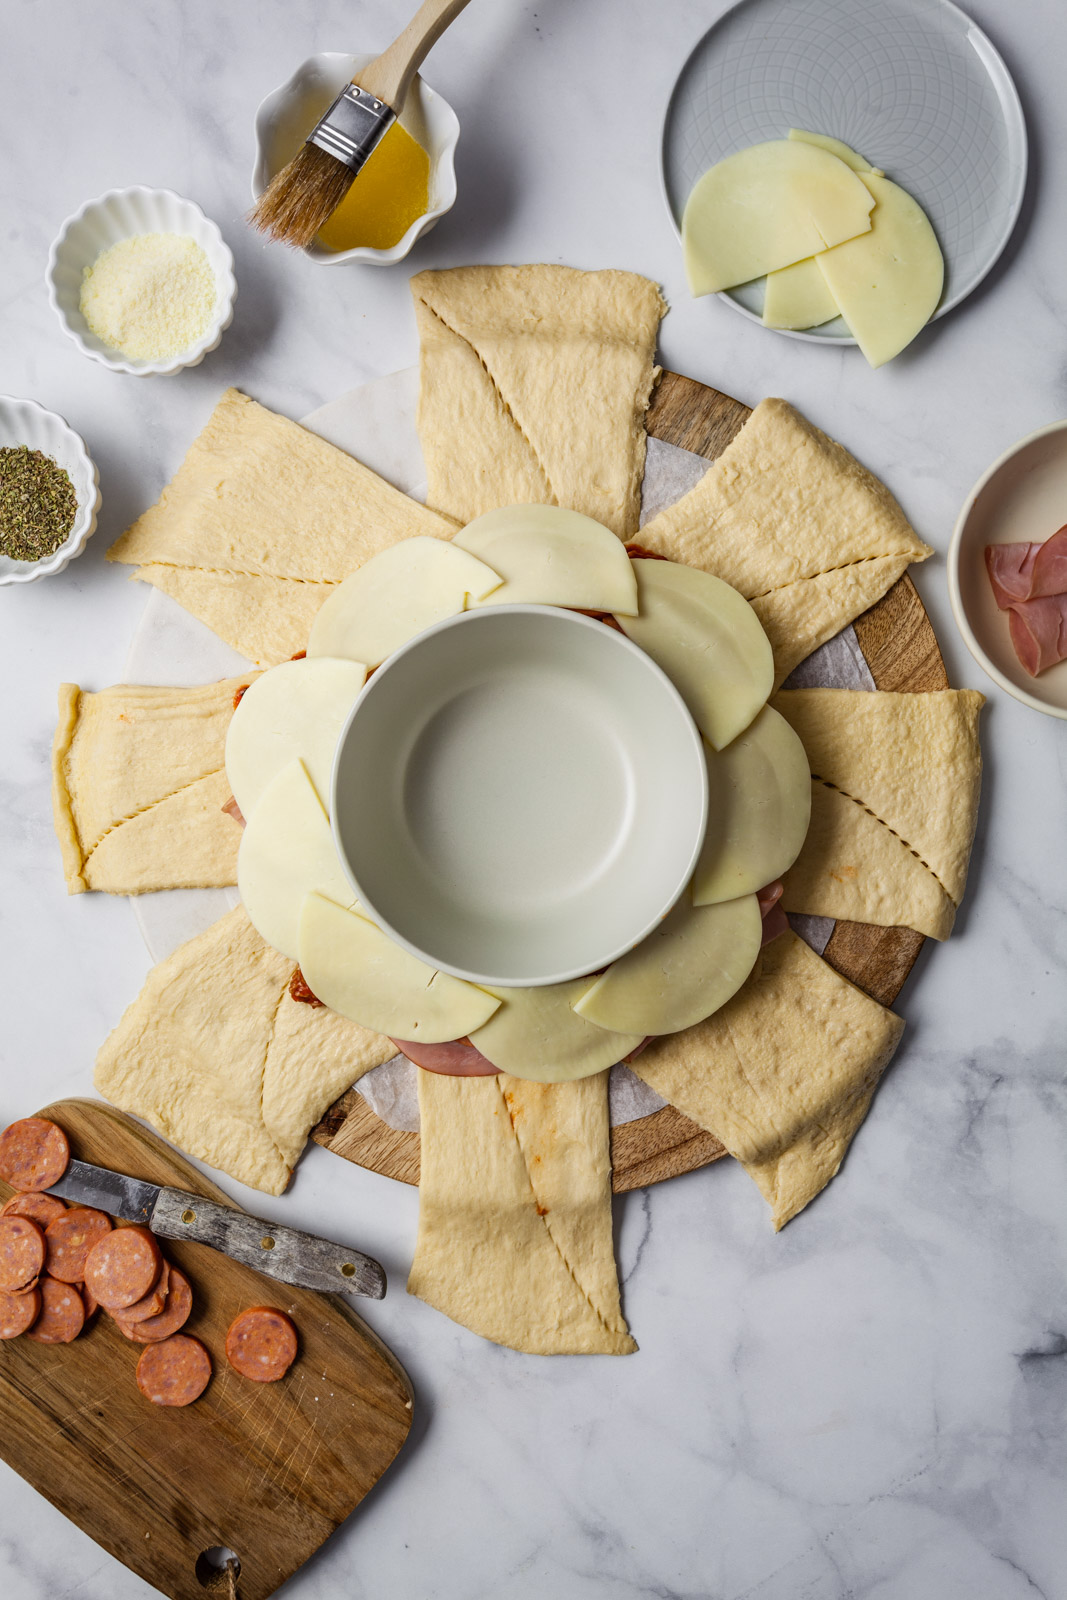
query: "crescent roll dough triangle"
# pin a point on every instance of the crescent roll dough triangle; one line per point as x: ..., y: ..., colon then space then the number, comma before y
x: 515, y: 1238
x: 792, y: 520
x: 138, y: 786
x: 219, y: 1058
x: 535, y: 382
x: 895, y: 796
x: 270, y: 516
x: 783, y: 1074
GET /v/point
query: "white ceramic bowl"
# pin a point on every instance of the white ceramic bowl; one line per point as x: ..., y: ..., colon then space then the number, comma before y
x: 120, y: 214
x: 1021, y: 498
x: 25, y: 422
x: 287, y: 115
x: 519, y: 795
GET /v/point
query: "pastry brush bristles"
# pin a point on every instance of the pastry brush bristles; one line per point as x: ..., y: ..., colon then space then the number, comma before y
x: 300, y: 198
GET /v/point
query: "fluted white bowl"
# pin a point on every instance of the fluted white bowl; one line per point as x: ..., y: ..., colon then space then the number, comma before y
x: 25, y: 422
x: 287, y: 115
x: 122, y: 214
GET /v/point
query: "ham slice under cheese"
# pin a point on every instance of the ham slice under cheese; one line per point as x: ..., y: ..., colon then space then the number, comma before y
x: 1029, y: 581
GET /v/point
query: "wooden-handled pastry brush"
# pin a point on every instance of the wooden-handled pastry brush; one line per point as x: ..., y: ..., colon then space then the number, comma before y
x: 300, y: 198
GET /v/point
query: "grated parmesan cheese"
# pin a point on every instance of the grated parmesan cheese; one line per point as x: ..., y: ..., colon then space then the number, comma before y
x: 150, y: 296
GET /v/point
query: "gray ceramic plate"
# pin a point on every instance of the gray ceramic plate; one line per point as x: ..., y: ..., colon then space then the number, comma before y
x: 913, y: 85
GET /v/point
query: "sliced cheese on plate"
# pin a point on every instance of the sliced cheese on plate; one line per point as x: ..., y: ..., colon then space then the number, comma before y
x: 836, y: 147
x: 695, y: 961
x: 287, y: 852
x: 709, y: 642
x: 759, y: 806
x: 887, y: 284
x: 798, y: 297
x: 537, y: 1034
x: 395, y: 595
x: 359, y: 972
x: 550, y: 556
x: 766, y: 207
x: 294, y: 711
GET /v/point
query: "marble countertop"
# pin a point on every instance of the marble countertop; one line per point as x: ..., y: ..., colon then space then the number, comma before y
x: 872, y: 1403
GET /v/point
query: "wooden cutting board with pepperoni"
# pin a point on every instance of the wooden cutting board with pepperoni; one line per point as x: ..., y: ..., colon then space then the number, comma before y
x: 901, y: 651
x: 267, y: 1470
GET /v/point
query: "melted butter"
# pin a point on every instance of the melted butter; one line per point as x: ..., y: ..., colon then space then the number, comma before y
x: 385, y: 198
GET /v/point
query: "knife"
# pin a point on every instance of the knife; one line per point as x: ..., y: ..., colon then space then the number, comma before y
x: 282, y: 1253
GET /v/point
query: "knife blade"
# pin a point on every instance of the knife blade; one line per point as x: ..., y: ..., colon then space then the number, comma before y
x: 283, y: 1253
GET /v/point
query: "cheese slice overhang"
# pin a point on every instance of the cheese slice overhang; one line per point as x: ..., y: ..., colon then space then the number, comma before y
x: 395, y: 595
x: 766, y: 207
x: 537, y: 1034
x: 287, y: 852
x: 550, y: 556
x: 888, y: 284
x: 294, y: 711
x: 759, y: 805
x: 696, y: 959
x: 709, y: 642
x: 357, y: 970
x: 798, y: 297
x: 837, y: 147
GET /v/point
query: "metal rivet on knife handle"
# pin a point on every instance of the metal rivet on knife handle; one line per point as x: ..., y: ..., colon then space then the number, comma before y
x: 188, y: 1215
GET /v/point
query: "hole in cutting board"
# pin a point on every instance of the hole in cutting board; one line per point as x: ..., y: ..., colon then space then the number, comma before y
x: 214, y: 1568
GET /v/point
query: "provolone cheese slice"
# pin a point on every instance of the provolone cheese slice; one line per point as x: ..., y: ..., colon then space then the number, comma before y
x: 550, y: 556
x: 287, y: 852
x: 887, y: 284
x: 709, y: 642
x: 766, y: 207
x: 396, y: 594
x: 798, y: 297
x: 836, y: 147
x: 537, y: 1034
x: 759, y: 806
x: 697, y: 958
x: 358, y: 971
x: 294, y: 711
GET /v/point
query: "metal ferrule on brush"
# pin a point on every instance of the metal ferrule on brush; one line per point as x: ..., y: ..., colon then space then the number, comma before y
x: 352, y: 126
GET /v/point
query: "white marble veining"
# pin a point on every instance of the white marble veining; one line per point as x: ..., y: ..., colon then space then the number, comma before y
x: 871, y: 1404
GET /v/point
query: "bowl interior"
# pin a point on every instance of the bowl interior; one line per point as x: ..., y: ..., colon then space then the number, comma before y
x: 1023, y: 499
x: 122, y: 214
x: 519, y: 796
x: 286, y: 116
x: 25, y: 422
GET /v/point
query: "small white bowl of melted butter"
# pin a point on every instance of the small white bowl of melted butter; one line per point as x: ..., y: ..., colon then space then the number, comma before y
x: 407, y: 184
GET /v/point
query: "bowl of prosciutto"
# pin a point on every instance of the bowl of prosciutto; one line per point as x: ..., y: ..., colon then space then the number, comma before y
x: 1007, y: 570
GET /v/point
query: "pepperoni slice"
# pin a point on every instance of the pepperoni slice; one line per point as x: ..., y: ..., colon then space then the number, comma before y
x: 261, y: 1344
x: 174, y: 1373
x: 34, y: 1154
x: 18, y: 1312
x: 22, y: 1252
x: 62, y: 1313
x: 91, y: 1303
x: 70, y: 1238
x: 43, y: 1208
x: 175, y: 1314
x: 122, y: 1267
x: 152, y: 1303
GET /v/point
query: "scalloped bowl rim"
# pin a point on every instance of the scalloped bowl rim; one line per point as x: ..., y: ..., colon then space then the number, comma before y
x: 443, y: 163
x: 88, y: 509
x: 224, y: 276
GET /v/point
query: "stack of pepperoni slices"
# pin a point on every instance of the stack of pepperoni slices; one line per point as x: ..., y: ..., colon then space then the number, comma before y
x: 59, y: 1265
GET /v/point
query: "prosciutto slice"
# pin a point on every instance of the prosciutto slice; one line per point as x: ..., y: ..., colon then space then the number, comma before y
x: 1039, y: 632
x: 1029, y: 581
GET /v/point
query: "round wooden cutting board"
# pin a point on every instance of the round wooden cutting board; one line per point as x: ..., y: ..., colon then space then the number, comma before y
x: 901, y: 651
